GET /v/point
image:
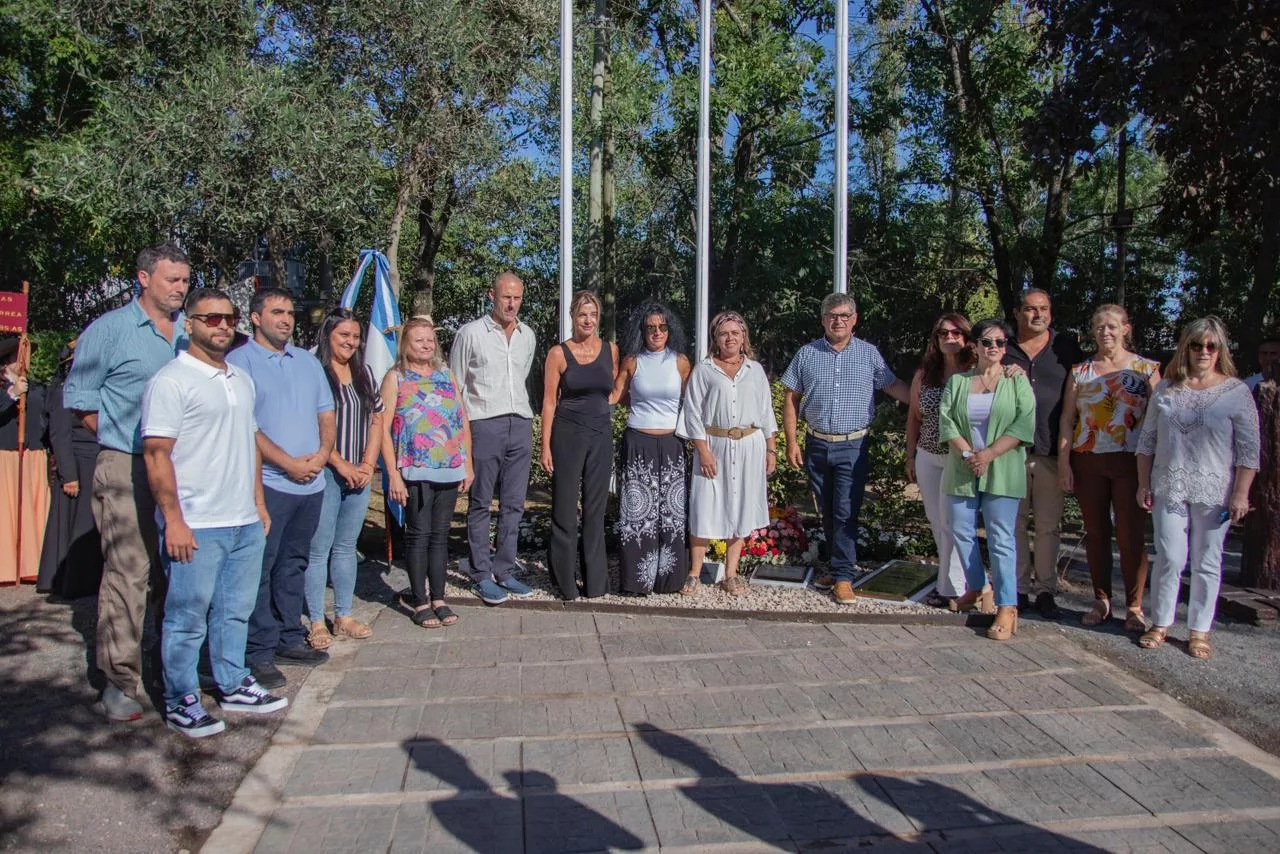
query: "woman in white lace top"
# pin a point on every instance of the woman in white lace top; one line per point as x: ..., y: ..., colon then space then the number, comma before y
x: 1197, y: 455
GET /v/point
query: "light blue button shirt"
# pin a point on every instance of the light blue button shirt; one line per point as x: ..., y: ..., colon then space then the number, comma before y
x: 115, y: 358
x: 837, y: 387
x: 291, y: 392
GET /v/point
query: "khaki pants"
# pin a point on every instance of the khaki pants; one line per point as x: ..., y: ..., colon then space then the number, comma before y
x: 1043, y: 505
x: 126, y: 516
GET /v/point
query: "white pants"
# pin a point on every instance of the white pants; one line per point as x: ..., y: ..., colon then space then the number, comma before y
x: 1182, y: 530
x: 938, y: 510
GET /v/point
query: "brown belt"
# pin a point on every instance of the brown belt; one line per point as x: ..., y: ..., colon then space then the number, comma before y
x: 839, y: 437
x: 730, y: 432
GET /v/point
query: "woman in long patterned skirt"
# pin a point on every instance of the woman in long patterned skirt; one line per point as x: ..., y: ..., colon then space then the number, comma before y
x: 651, y: 516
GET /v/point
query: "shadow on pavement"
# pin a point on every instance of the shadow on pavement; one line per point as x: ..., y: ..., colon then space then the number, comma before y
x: 837, y: 812
x: 538, y: 818
x: 69, y: 780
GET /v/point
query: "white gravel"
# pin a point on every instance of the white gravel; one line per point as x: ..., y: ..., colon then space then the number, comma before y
x: 710, y: 597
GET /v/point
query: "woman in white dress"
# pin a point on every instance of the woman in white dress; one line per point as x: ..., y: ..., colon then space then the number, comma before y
x: 728, y: 415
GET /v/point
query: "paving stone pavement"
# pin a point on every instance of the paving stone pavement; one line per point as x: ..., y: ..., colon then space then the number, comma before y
x: 538, y: 731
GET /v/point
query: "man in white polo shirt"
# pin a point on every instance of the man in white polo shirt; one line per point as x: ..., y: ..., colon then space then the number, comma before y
x: 203, y: 466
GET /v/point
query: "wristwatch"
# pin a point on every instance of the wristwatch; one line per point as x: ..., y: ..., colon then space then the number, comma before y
x: 964, y: 455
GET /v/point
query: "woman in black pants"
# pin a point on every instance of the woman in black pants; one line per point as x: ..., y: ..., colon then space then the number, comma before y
x: 577, y: 448
x: 426, y: 448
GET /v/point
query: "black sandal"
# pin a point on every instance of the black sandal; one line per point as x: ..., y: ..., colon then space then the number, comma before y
x: 422, y: 615
x: 444, y: 614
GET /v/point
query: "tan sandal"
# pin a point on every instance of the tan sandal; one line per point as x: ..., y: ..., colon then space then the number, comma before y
x: 350, y: 627
x: 691, y: 585
x: 734, y: 586
x: 1198, y: 645
x: 1005, y: 625
x: 1098, y: 614
x: 1154, y: 637
x: 1136, y: 621
x: 319, y: 637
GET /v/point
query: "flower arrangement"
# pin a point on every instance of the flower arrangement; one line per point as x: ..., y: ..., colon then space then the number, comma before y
x: 783, y: 541
x: 534, y: 533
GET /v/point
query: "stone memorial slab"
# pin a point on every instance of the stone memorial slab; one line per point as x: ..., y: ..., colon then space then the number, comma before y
x: 782, y: 576
x: 898, y: 581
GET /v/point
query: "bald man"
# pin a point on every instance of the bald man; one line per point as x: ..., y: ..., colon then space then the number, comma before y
x: 490, y: 359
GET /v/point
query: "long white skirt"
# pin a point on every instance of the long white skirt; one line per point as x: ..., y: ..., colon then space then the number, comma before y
x: 736, y: 501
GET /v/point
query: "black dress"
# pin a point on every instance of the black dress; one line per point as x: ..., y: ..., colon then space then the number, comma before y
x: 71, y: 560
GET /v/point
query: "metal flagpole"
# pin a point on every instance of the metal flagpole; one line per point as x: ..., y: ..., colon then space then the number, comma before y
x: 702, y: 320
x: 840, y: 245
x: 23, y: 366
x: 566, y: 166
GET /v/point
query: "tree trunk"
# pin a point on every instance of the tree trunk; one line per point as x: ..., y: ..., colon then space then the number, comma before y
x: 276, y: 249
x: 595, y: 187
x: 432, y: 223
x: 325, y: 245
x: 1057, y: 195
x: 1260, y: 563
x: 405, y: 192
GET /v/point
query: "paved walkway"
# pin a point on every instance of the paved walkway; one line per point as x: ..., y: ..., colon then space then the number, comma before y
x: 567, y: 731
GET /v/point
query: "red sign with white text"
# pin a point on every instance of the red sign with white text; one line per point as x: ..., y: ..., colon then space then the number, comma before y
x: 13, y: 312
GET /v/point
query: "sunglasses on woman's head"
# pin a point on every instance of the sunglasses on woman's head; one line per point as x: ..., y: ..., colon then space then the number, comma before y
x: 214, y: 320
x: 1206, y: 346
x: 992, y: 342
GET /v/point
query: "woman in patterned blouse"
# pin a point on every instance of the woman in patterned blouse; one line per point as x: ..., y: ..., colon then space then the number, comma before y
x: 426, y: 447
x: 1197, y: 455
x: 1102, y: 410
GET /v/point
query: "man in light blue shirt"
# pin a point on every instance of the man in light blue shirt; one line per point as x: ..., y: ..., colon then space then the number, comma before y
x: 296, y: 431
x: 831, y: 384
x: 115, y: 358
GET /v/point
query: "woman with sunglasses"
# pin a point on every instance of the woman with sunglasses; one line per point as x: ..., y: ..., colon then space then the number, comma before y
x: 947, y: 354
x: 654, y: 551
x: 1197, y: 455
x: 346, y: 478
x: 728, y: 415
x: 1103, y: 405
x: 987, y: 419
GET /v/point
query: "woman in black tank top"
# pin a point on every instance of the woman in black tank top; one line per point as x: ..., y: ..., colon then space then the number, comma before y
x: 577, y: 449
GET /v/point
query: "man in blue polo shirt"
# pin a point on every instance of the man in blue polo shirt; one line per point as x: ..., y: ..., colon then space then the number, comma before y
x: 831, y: 384
x: 115, y: 358
x: 296, y: 430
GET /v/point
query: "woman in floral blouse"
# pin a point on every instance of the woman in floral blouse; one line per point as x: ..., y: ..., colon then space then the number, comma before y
x: 1102, y: 410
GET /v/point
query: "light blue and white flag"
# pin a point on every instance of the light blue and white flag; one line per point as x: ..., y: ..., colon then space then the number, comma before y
x: 381, y: 339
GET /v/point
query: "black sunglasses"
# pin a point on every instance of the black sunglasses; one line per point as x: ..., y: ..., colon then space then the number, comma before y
x: 992, y: 342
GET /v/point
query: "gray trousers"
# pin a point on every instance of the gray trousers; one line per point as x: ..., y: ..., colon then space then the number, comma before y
x: 502, y: 451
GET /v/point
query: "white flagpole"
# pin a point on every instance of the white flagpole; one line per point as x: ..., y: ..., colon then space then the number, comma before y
x: 566, y: 166
x: 702, y: 320
x: 840, y: 245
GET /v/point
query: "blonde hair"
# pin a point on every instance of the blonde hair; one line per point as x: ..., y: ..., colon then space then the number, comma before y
x: 585, y: 296
x: 1118, y: 311
x: 730, y: 317
x: 418, y: 321
x: 1209, y: 328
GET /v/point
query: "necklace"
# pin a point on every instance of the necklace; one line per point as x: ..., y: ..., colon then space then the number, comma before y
x: 987, y: 389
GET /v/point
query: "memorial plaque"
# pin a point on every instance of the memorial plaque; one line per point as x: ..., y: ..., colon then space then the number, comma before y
x: 781, y: 576
x: 899, y: 581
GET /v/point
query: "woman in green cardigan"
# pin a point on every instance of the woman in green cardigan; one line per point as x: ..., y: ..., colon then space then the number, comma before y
x: 987, y: 419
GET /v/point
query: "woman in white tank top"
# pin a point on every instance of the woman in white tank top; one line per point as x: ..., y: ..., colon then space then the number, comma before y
x: 653, y: 486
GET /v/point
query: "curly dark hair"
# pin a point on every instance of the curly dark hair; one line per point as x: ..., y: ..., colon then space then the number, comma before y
x: 365, y: 389
x: 633, y: 342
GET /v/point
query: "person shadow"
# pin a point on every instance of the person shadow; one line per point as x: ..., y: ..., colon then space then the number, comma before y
x: 538, y: 820
x: 851, y: 811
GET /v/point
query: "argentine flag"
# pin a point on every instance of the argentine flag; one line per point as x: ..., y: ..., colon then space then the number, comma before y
x: 381, y: 338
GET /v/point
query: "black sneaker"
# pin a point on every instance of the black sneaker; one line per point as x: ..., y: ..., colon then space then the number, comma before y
x: 250, y: 698
x: 190, y: 719
x: 300, y: 654
x: 1047, y: 607
x: 1024, y: 602
x: 267, y: 674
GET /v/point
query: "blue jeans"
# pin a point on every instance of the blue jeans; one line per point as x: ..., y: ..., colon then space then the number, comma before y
x: 212, y: 594
x: 276, y: 622
x: 838, y: 476
x: 1000, y: 516
x: 333, y: 548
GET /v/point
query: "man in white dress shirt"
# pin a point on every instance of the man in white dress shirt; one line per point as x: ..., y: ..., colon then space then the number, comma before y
x: 490, y: 359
